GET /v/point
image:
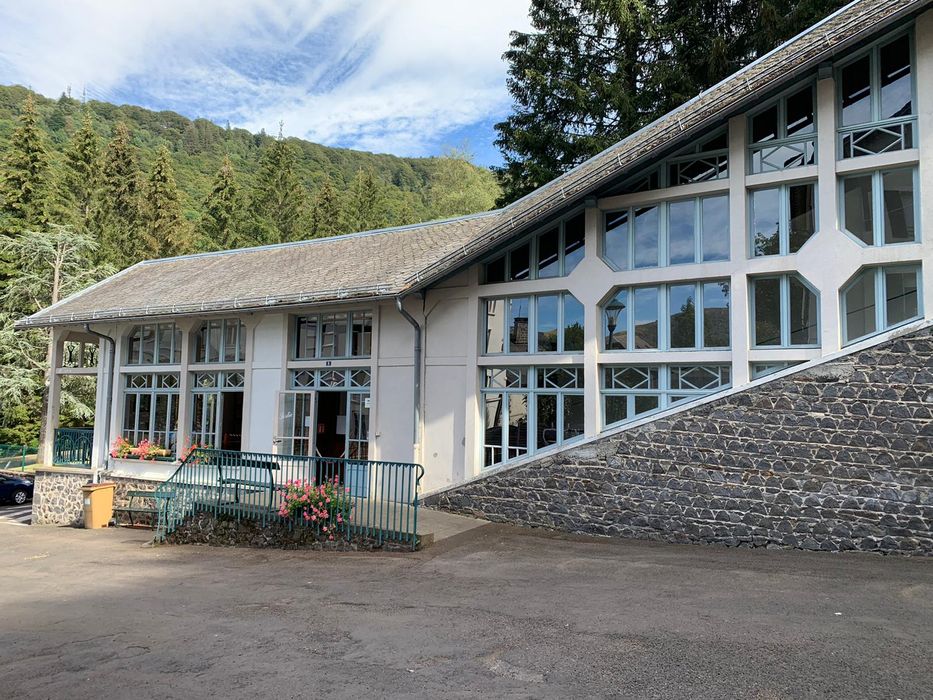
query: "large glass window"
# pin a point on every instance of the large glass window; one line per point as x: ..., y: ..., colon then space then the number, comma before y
x: 344, y: 334
x: 631, y: 391
x: 222, y: 340
x: 150, y: 408
x: 879, y: 298
x: 526, y: 409
x: 880, y: 208
x: 154, y: 344
x: 705, y: 159
x: 784, y: 312
x: 673, y: 233
x: 540, y: 323
x: 217, y: 409
x: 782, y: 219
x: 553, y: 253
x: 695, y: 315
x: 783, y: 135
x: 876, y: 101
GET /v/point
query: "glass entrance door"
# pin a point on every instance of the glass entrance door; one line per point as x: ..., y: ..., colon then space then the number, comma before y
x: 332, y: 424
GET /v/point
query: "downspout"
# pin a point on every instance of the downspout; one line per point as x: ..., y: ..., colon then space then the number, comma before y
x: 110, y: 370
x: 416, y: 436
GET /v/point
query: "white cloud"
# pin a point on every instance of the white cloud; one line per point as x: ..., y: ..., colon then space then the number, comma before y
x: 386, y: 75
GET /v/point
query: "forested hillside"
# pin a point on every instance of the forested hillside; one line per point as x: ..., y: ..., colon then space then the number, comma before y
x: 335, y: 190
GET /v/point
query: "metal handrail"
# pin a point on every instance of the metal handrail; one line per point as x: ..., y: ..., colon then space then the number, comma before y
x: 376, y: 500
x: 73, y: 446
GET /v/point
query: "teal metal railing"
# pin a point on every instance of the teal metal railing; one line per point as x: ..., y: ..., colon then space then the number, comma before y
x: 72, y: 447
x: 15, y: 456
x: 375, y: 500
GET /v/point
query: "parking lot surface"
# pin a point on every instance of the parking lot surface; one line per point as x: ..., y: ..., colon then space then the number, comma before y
x: 499, y: 612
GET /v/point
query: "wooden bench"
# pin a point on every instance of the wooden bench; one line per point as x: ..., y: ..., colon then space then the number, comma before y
x: 130, y: 509
x: 265, y: 485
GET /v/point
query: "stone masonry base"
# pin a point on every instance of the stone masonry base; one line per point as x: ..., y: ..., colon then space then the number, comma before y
x: 835, y: 457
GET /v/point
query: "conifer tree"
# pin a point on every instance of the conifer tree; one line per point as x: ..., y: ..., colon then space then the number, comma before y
x: 165, y: 231
x: 278, y: 198
x: 81, y: 173
x: 366, y: 211
x: 325, y: 214
x: 220, y: 226
x: 116, y: 217
x: 25, y: 175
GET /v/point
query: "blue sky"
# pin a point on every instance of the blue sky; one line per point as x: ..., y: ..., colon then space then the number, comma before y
x: 410, y: 77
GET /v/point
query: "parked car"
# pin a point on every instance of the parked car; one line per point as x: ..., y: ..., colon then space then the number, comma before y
x: 15, y: 489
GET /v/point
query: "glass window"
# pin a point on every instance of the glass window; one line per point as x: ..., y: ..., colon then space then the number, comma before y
x: 896, y: 89
x: 518, y: 324
x: 898, y: 187
x: 799, y: 113
x: 616, y: 241
x: 615, y: 322
x: 333, y: 335
x: 573, y: 324
x: 362, y: 333
x: 784, y: 134
x: 682, y: 315
x: 714, y: 221
x: 220, y: 341
x: 150, y: 409
x: 900, y: 294
x: 767, y: 308
x: 765, y: 125
x: 551, y: 253
x: 646, y: 237
x: 646, y: 318
x: 876, y: 100
x: 574, y: 242
x: 899, y: 288
x: 783, y: 219
x: 785, y: 312
x: 856, y: 92
x: 857, y: 207
x: 520, y: 262
x: 716, y: 315
x: 766, y: 222
x: 681, y: 234
x: 154, y: 344
x: 879, y: 208
x: 521, y: 417
x: 547, y: 320
x: 495, y: 325
x: 633, y: 390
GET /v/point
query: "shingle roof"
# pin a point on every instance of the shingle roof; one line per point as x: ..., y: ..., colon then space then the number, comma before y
x: 360, y: 265
x: 396, y: 261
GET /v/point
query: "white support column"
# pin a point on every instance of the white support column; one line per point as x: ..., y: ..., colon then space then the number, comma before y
x: 182, y: 437
x: 738, y: 251
x: 116, y: 415
x: 101, y: 418
x: 827, y: 205
x: 924, y: 82
x: 473, y: 437
x: 249, y: 328
x: 53, y: 407
x: 592, y: 329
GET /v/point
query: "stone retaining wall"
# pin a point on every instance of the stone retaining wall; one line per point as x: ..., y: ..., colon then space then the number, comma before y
x: 206, y: 528
x: 58, y: 500
x: 835, y: 457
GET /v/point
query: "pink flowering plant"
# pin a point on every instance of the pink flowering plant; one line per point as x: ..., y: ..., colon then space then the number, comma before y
x: 121, y: 448
x: 325, y: 506
x: 148, y: 450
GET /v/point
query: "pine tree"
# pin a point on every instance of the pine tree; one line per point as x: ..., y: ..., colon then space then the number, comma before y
x: 81, y: 174
x: 116, y: 217
x: 366, y: 210
x: 165, y: 231
x: 25, y: 176
x: 592, y: 72
x: 278, y: 198
x: 220, y: 226
x: 326, y: 219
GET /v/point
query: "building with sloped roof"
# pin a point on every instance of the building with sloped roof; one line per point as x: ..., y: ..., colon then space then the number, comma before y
x: 776, y: 218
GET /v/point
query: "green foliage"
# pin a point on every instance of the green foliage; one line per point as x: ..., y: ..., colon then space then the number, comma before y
x: 221, y: 224
x: 164, y: 231
x: 592, y: 72
x: 81, y: 173
x: 277, y: 204
x: 24, y: 179
x: 117, y: 212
